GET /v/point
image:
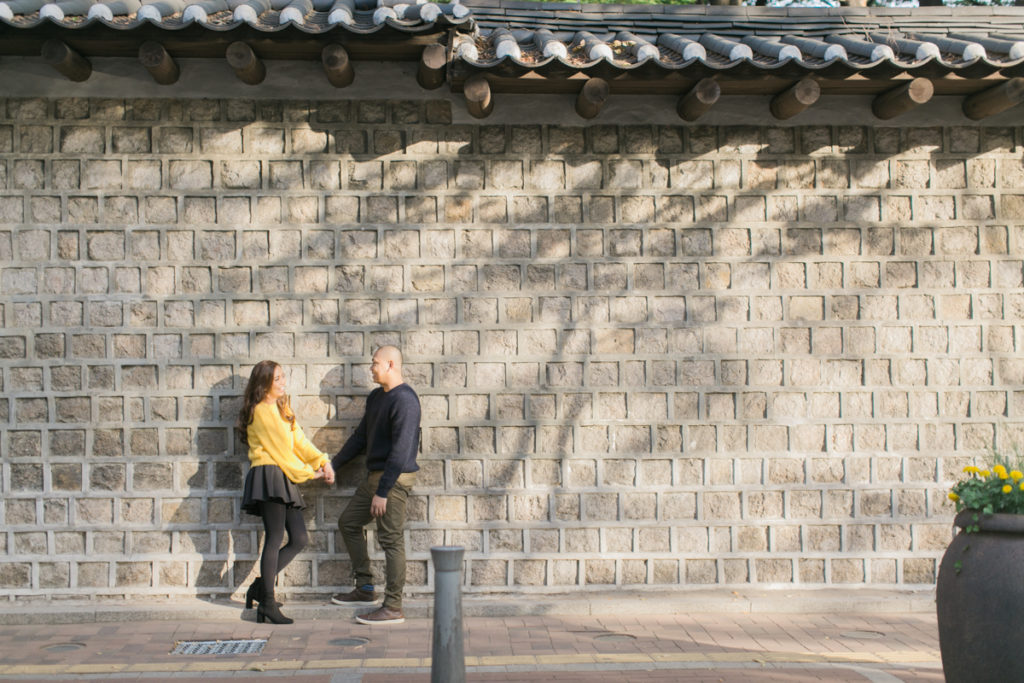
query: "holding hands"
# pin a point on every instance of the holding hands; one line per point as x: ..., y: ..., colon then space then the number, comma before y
x: 326, y: 472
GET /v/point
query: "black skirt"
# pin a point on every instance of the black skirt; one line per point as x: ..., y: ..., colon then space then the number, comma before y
x: 268, y: 483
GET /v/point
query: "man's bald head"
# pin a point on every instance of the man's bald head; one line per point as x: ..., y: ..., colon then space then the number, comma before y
x: 386, y: 368
x: 390, y: 353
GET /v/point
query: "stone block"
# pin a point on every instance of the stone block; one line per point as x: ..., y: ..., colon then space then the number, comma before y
x: 190, y: 175
x: 81, y: 140
x: 919, y: 570
x: 720, y: 505
x: 599, y: 571
x: 15, y: 575
x: 529, y: 572
x: 773, y: 571
x: 639, y: 506
x: 700, y: 571
x: 847, y: 571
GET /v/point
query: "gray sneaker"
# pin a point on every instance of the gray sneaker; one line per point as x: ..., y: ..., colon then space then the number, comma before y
x: 355, y: 597
x: 381, y: 616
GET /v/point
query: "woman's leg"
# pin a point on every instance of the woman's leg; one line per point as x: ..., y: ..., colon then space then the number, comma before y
x: 297, y: 537
x: 277, y: 518
x: 274, y: 516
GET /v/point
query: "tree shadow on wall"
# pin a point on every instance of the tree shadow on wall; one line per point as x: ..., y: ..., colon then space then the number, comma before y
x: 211, y: 524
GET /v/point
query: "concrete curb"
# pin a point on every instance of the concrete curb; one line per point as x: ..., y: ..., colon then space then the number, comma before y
x: 604, y: 603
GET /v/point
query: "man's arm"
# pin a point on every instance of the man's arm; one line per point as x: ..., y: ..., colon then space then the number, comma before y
x: 354, y: 445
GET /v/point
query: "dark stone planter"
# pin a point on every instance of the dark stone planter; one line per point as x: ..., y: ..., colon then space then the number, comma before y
x: 979, y: 598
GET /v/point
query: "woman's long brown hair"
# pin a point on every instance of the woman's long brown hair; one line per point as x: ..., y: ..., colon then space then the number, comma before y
x: 260, y: 380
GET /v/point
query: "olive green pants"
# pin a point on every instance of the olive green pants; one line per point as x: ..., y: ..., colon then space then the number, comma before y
x: 390, y: 534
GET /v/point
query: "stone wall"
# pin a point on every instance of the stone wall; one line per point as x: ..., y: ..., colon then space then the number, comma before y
x: 647, y: 355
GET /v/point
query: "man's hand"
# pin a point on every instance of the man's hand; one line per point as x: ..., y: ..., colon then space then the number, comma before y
x: 328, y: 473
x: 377, y: 506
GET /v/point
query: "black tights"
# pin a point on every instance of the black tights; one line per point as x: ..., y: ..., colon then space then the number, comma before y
x: 278, y: 518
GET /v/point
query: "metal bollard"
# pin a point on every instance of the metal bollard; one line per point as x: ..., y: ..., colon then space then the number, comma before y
x: 447, y: 662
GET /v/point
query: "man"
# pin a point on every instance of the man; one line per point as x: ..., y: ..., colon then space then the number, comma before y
x: 389, y: 435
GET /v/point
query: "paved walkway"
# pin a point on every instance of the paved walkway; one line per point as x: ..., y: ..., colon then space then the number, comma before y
x: 326, y: 645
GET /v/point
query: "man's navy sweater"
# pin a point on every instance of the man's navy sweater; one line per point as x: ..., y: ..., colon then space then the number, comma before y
x: 389, y: 433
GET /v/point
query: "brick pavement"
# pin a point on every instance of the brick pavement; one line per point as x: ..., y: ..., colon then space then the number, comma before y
x: 728, y: 647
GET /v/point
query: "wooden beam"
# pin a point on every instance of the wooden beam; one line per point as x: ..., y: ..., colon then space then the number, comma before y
x: 478, y: 96
x: 158, y: 62
x: 994, y: 100
x: 592, y: 97
x: 699, y: 99
x: 430, y: 75
x: 337, y: 65
x: 246, y: 64
x: 795, y: 99
x: 64, y: 59
x: 903, y: 98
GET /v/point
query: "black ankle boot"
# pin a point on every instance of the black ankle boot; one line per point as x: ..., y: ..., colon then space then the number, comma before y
x: 268, y: 611
x: 255, y: 593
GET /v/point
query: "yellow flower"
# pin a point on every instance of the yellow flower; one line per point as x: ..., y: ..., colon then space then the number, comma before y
x: 971, y: 469
x: 985, y: 473
x: 954, y: 497
x: 1007, y: 488
x: 1016, y: 475
x: 1022, y: 486
x: 1003, y: 475
x: 999, y: 469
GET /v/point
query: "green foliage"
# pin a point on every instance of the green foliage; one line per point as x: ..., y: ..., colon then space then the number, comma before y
x: 996, y: 489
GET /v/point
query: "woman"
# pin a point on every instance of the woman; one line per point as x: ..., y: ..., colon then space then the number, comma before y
x: 280, y: 456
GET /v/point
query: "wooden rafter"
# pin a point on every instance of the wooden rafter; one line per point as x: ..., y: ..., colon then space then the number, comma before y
x: 592, y: 97
x: 902, y: 98
x: 66, y: 60
x: 994, y: 100
x: 795, y: 99
x: 430, y: 74
x: 246, y: 65
x: 337, y: 65
x: 699, y: 99
x: 159, y: 63
x: 478, y: 96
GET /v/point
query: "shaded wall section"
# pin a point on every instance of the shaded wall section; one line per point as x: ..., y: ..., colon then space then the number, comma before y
x: 647, y: 355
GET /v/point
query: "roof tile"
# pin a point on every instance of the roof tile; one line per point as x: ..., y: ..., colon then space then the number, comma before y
x: 564, y: 20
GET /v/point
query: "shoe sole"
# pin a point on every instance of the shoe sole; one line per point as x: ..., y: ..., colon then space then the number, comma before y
x: 371, y: 622
x: 354, y: 602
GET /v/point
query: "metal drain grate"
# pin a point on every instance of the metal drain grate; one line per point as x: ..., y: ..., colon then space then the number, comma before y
x: 219, y: 647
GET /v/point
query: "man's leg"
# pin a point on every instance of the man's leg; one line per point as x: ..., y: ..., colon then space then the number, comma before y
x: 391, y: 535
x: 352, y: 524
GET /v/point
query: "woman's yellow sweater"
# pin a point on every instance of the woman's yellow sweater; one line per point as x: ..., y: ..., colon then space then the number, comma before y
x: 272, y: 441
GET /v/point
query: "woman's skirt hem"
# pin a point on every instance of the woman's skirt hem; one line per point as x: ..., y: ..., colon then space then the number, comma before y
x: 267, y: 483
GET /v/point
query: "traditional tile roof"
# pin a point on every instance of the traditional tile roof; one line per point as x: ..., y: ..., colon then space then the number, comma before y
x: 544, y: 47
x: 701, y: 41
x: 267, y: 16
